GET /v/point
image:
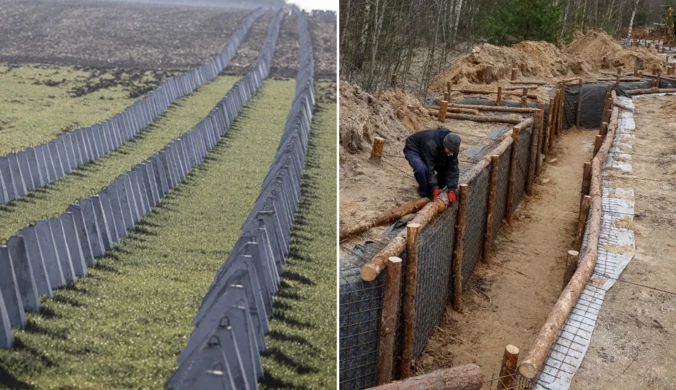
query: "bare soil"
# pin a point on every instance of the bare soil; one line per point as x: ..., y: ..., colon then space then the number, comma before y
x: 249, y: 48
x: 285, y: 60
x: 107, y: 35
x: 323, y: 29
x: 633, y: 344
x: 510, y: 296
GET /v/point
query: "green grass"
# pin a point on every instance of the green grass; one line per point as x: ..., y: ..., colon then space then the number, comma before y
x: 32, y: 112
x: 182, y: 116
x: 302, y: 342
x: 123, y: 325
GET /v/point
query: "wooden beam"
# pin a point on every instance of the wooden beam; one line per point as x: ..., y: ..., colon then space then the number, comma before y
x: 389, y: 321
x: 515, y: 110
x: 547, y: 141
x: 492, y: 193
x: 466, y: 377
x: 582, y: 220
x: 459, y: 248
x: 498, y: 101
x: 443, y: 105
x: 408, y: 313
x: 482, y: 92
x: 478, y: 118
x: 647, y: 91
x: 384, y: 218
x: 533, y: 155
x: 508, y: 368
x: 571, y: 266
x: 512, y: 173
x: 377, y: 151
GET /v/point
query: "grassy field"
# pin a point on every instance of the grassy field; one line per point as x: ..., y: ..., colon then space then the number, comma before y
x: 302, y: 343
x: 55, y: 198
x: 38, y: 102
x: 123, y: 326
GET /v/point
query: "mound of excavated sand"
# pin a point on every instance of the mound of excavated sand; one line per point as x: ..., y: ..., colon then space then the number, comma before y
x: 542, y: 60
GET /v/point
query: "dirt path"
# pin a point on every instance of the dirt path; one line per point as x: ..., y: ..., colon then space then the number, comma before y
x: 509, y: 298
x: 633, y: 344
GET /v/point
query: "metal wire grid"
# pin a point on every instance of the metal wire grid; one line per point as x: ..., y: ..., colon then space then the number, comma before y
x: 475, y: 223
x: 510, y: 382
x: 501, y: 192
x: 523, y: 157
x: 434, y: 269
x: 360, y: 311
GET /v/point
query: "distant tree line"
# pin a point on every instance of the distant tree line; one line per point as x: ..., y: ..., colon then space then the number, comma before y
x: 379, y: 38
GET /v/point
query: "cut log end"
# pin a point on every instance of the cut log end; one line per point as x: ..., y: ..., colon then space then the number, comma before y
x: 527, y: 370
x: 369, y: 272
x: 394, y: 259
x: 512, y: 349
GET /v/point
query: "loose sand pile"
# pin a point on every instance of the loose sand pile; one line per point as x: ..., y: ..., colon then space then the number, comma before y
x: 544, y: 61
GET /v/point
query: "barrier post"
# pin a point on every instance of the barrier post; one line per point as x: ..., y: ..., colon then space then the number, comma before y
x: 512, y: 172
x: 459, y: 248
x: 410, y: 282
x: 492, y: 191
x: 508, y: 368
x: 388, y: 321
x: 571, y: 266
x: 377, y: 151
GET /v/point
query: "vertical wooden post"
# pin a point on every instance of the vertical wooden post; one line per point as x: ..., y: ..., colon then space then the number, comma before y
x: 559, y: 116
x: 499, y: 100
x: 459, y: 248
x: 524, y: 98
x: 446, y: 96
x: 492, y: 192
x: 512, y: 173
x: 597, y: 143
x: 636, y: 66
x: 448, y: 87
x: 547, y: 143
x: 571, y: 266
x: 603, y: 130
x: 393, y: 80
x: 659, y: 78
x: 377, y: 151
x: 508, y: 368
x: 586, y: 181
x: 388, y: 320
x: 605, y: 105
x: 530, y: 178
x: 582, y: 220
x: 443, y: 106
x: 513, y: 74
x: 410, y: 281
x: 538, y: 159
x: 488, y: 75
x: 578, y: 111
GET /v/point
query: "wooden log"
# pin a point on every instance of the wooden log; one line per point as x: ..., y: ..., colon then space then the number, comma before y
x: 578, y: 110
x: 515, y: 87
x: 571, y: 293
x: 481, y: 92
x: 488, y: 75
x: 443, y: 105
x: 597, y: 143
x: 492, y: 192
x: 586, y: 181
x: 532, y: 156
x: 621, y: 79
x: 603, y: 130
x: 524, y: 101
x: 498, y: 101
x: 389, y: 321
x: 377, y: 151
x: 448, y: 88
x: 547, y: 141
x: 455, y: 110
x: 659, y: 79
x: 466, y: 377
x: 508, y: 368
x: 459, y: 251
x: 654, y: 76
x: 571, y: 266
x: 388, y: 216
x: 408, y: 312
x: 540, y: 130
x: 446, y: 96
x: 512, y: 173
x: 529, y: 82
x: 633, y: 92
x: 516, y: 110
x: 513, y: 76
x: 478, y: 118
x: 582, y: 220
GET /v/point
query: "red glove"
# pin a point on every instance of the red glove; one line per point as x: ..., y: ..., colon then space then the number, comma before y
x: 451, y: 196
x: 435, y: 193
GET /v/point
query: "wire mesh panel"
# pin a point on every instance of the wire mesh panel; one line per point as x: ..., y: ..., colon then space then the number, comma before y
x: 523, y: 155
x: 475, y: 224
x: 501, y: 192
x: 435, y: 250
x: 509, y: 382
x: 360, y: 310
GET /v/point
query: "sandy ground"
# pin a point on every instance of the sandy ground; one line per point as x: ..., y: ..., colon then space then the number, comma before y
x: 510, y: 296
x: 633, y: 343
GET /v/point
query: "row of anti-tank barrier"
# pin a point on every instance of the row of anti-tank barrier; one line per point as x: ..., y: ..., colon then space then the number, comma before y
x: 53, y: 252
x: 223, y: 351
x: 36, y: 166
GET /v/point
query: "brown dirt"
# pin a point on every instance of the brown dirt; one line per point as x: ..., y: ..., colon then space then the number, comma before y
x: 368, y: 189
x: 324, y: 43
x: 633, y: 344
x: 510, y: 296
x: 543, y: 61
x: 249, y: 48
x: 285, y: 61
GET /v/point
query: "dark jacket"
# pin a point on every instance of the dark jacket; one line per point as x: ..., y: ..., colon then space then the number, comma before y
x: 429, y: 145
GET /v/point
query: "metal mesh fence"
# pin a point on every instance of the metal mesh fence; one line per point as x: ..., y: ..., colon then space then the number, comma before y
x: 475, y: 226
x: 522, y: 161
x: 433, y: 289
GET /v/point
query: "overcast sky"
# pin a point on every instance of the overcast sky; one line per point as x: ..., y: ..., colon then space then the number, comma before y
x: 316, y: 4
